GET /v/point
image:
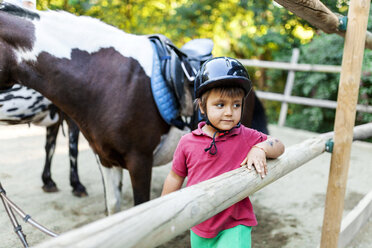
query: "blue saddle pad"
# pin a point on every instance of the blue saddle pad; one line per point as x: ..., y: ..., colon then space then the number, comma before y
x: 163, y: 95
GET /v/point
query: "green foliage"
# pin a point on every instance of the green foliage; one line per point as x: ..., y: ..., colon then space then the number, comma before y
x: 325, y: 85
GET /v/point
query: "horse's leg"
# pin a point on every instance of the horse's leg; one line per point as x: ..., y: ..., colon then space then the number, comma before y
x: 140, y: 169
x: 113, y: 178
x: 73, y: 136
x: 50, y: 146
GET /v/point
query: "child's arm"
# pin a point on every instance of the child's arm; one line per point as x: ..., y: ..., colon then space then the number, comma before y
x: 270, y: 148
x: 173, y: 182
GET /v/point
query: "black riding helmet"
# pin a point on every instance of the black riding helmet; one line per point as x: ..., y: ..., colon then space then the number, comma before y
x: 221, y: 72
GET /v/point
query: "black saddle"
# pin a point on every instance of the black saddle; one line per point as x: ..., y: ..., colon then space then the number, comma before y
x: 181, y: 65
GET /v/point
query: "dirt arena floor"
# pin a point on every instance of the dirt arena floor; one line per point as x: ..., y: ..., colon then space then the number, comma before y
x: 289, y: 211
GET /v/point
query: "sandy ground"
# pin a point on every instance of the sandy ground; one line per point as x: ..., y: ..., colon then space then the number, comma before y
x: 289, y: 211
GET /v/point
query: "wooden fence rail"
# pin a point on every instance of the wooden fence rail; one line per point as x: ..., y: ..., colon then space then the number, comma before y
x: 355, y: 220
x: 155, y: 222
x: 307, y: 101
x: 291, y: 66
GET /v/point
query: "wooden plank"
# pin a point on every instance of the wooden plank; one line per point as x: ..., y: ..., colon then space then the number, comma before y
x: 153, y: 223
x: 361, y: 132
x: 355, y: 220
x: 290, y: 67
x: 307, y: 101
x: 344, y: 121
x: 288, y: 87
x: 316, y: 13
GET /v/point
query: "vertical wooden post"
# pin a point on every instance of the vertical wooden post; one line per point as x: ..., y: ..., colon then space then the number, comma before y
x: 344, y: 121
x: 288, y: 87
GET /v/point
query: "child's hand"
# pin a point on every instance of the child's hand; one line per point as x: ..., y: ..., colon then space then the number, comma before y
x: 256, y: 157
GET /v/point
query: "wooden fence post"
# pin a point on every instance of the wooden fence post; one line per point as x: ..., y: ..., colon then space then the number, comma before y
x: 344, y: 121
x: 288, y: 87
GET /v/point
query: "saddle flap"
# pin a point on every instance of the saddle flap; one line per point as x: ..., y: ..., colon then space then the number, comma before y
x: 170, y: 57
x: 176, y: 74
x: 181, y: 65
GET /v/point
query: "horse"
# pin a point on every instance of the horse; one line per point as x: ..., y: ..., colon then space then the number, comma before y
x: 22, y: 105
x: 100, y: 76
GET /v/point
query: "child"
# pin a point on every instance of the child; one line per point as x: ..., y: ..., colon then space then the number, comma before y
x: 219, y: 145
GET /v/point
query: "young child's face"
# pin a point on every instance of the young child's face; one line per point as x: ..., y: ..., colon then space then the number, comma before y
x: 223, y: 112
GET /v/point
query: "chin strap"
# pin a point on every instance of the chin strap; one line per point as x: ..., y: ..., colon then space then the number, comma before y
x: 212, y: 149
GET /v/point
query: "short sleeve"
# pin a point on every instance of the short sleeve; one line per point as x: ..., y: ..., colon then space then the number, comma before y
x: 179, y: 161
x: 255, y: 136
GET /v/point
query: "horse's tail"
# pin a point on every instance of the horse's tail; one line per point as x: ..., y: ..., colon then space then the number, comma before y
x: 259, y: 121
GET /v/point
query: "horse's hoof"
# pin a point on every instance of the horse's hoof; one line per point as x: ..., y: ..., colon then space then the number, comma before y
x: 50, y: 188
x: 80, y: 191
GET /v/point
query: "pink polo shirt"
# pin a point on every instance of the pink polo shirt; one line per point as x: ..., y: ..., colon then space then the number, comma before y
x: 192, y: 161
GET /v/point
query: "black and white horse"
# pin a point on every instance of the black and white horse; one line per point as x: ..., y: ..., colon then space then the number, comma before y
x: 22, y: 105
x: 100, y: 76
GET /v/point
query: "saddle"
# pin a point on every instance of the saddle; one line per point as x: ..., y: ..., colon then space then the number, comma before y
x: 180, y: 66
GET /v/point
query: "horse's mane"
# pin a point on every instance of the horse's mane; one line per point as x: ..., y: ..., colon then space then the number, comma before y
x: 18, y: 11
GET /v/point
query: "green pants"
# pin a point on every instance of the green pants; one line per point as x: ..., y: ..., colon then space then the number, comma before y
x: 236, y: 237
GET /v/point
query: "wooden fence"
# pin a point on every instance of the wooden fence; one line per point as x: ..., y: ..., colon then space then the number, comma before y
x: 287, y: 97
x: 354, y: 221
x: 157, y: 221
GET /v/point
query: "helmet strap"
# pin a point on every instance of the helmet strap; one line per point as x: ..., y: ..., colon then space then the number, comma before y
x: 212, y: 149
